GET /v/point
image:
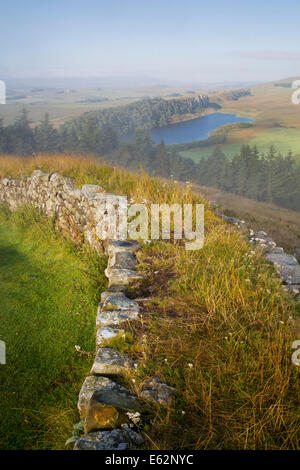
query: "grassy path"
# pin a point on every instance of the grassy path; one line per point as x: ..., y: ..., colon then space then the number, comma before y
x: 49, y: 292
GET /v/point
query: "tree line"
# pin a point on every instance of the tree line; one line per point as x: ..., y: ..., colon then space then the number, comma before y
x: 269, y: 177
x: 143, y: 114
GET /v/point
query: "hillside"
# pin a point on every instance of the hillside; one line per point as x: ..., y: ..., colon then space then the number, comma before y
x: 143, y: 115
x: 219, y: 326
x: 277, y: 121
x: 283, y: 225
x: 64, y: 101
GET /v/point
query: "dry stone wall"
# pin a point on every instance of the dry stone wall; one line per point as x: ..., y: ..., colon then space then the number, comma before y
x: 285, y: 264
x: 78, y: 212
x: 110, y: 412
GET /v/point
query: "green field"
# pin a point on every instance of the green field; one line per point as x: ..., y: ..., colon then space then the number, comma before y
x: 283, y: 139
x: 49, y: 294
x: 277, y: 122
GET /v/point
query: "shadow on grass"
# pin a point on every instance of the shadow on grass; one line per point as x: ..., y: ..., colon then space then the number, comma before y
x: 10, y: 256
x: 48, y: 303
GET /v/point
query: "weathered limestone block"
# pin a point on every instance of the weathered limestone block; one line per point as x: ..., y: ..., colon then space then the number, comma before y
x: 107, y: 410
x: 114, y: 317
x: 117, y: 439
x: 268, y: 242
x: 275, y: 250
x: 119, y: 302
x: 106, y: 334
x: 232, y: 220
x: 130, y: 246
x: 158, y: 391
x: 111, y: 362
x: 122, y: 276
x: 282, y: 259
x: 108, y: 293
x: 260, y: 234
x: 98, y: 383
x: 122, y: 260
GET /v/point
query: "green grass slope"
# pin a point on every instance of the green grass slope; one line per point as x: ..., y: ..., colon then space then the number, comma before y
x: 49, y: 295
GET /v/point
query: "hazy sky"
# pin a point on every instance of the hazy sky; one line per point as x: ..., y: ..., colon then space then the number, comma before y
x: 187, y: 40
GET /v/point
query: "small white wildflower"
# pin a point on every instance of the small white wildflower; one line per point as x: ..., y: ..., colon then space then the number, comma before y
x: 166, y: 360
x: 78, y: 348
x: 190, y: 365
x: 296, y: 291
x: 134, y: 417
x: 183, y: 412
x: 282, y: 322
x: 156, y: 272
x: 226, y: 337
x: 133, y: 381
x: 135, y: 366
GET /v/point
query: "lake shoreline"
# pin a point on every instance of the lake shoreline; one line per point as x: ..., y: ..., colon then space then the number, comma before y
x: 199, y: 128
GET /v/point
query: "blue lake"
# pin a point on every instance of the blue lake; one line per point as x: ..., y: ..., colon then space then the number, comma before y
x: 195, y: 129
